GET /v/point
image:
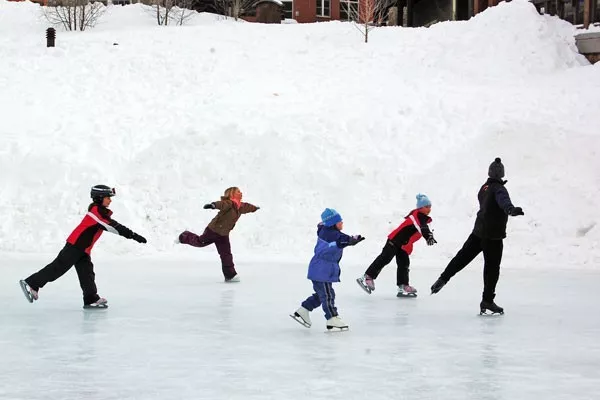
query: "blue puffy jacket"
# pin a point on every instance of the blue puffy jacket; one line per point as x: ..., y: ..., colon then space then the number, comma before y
x: 325, y: 264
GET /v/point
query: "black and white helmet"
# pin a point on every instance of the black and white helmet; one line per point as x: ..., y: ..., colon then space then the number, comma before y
x: 99, y: 192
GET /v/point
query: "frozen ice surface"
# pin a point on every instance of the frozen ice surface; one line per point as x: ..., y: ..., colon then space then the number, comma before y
x: 174, y: 330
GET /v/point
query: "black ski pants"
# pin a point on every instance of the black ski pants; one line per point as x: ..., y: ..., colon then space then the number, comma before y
x: 388, y: 252
x: 492, y: 256
x: 69, y: 256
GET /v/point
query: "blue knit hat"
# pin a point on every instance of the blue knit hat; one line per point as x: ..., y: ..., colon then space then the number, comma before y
x: 422, y: 200
x: 330, y: 217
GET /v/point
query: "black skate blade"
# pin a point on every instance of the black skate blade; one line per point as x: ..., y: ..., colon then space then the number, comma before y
x: 363, y: 287
x: 26, y: 292
x: 300, y: 321
x: 400, y: 295
x: 334, y: 329
x: 89, y: 307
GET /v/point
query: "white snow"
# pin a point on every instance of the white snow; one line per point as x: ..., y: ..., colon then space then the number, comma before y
x: 301, y: 117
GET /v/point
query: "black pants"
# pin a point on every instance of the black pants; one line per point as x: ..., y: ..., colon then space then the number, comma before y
x: 388, y: 252
x: 492, y: 256
x: 69, y: 256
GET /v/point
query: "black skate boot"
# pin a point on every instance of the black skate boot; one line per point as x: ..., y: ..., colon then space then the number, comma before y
x: 484, y: 306
x: 438, y: 285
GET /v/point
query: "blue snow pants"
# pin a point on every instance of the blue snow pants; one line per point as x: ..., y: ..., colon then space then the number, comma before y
x: 324, y: 296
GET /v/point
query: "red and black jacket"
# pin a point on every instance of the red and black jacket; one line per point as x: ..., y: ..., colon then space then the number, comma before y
x: 97, y: 220
x: 413, y: 228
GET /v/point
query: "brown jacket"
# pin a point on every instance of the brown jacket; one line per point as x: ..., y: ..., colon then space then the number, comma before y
x: 228, y: 215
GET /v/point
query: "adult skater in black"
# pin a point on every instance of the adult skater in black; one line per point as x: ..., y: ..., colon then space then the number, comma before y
x: 490, y: 229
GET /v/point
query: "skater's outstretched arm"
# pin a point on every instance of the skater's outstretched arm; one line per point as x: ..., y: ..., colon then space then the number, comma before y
x: 346, y: 240
x: 222, y: 205
x: 248, y: 208
x: 503, y: 200
x: 112, y: 226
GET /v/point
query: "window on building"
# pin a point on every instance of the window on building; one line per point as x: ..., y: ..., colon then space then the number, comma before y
x: 323, y: 8
x: 288, y: 9
x: 348, y: 10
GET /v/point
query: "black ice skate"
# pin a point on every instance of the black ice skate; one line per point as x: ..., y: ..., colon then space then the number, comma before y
x: 484, y: 306
x: 437, y: 286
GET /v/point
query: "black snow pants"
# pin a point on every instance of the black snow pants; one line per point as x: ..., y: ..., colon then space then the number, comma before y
x: 69, y: 256
x: 388, y: 252
x: 492, y: 256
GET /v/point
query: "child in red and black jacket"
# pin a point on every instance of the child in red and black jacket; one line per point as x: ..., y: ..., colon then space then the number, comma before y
x: 78, y: 248
x: 400, y: 245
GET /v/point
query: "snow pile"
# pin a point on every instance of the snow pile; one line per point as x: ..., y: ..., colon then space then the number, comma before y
x: 301, y: 117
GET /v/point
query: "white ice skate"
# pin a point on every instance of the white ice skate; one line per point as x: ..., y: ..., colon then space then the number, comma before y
x: 335, y: 324
x: 406, y: 291
x: 302, y: 316
x: 29, y: 293
x: 235, y: 279
x: 366, y: 283
x: 98, y: 304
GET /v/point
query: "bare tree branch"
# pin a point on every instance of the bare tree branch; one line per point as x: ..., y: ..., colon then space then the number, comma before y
x: 233, y: 8
x: 370, y: 14
x: 177, y: 11
x: 73, y: 14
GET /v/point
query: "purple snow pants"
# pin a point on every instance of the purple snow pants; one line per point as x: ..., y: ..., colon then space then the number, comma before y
x: 223, y: 247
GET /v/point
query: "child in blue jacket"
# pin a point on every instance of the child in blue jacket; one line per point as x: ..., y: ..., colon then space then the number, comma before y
x: 324, y: 269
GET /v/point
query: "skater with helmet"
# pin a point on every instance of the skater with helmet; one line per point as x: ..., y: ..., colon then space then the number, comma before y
x: 399, y: 244
x: 77, y: 250
x: 324, y: 269
x: 495, y: 207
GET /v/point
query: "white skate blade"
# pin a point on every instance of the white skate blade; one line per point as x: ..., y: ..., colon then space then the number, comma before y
x: 299, y: 320
x: 26, y: 292
x: 488, y: 313
x: 365, y: 288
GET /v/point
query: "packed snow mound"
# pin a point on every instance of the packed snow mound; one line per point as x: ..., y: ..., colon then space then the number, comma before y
x: 20, y: 18
x: 538, y: 44
x: 301, y: 117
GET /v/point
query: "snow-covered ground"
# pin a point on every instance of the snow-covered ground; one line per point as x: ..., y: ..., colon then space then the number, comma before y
x: 301, y: 117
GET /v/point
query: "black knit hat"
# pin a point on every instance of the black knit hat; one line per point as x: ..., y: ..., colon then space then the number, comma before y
x: 496, y: 170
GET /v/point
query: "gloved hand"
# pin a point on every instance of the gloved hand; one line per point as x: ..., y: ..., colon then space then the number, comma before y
x: 138, y: 238
x: 356, y: 239
x: 209, y: 206
x: 431, y: 241
x: 516, y: 211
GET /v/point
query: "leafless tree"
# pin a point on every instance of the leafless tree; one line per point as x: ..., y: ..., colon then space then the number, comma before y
x: 370, y: 14
x: 233, y: 8
x: 175, y: 11
x: 182, y: 12
x: 73, y: 15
